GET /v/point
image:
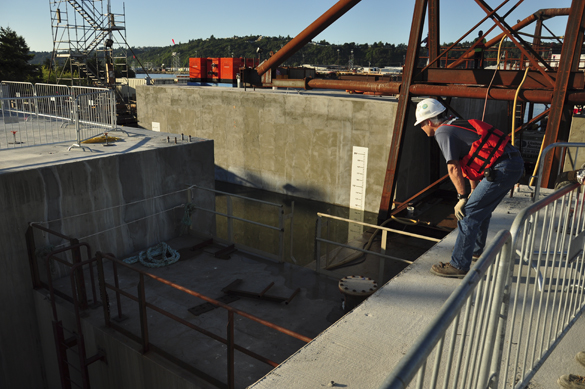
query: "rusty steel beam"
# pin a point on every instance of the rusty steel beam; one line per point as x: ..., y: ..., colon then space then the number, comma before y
x: 507, y: 78
x: 464, y: 35
x: 534, y: 96
x: 524, y: 48
x: 540, y: 14
x: 434, y: 41
x: 334, y: 13
x: 559, y: 121
x: 410, y: 65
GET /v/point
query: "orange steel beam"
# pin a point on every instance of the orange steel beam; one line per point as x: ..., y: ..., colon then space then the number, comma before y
x: 559, y: 121
x: 402, y: 109
x: 541, y: 14
x: 334, y: 13
x: 530, y: 54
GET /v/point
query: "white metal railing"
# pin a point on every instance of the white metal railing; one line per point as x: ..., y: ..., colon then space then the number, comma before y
x: 382, y: 254
x: 512, y: 308
x: 44, y: 113
x: 572, y: 160
x: 229, y: 215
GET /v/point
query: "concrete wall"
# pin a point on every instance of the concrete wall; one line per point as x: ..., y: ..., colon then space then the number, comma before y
x: 71, y: 187
x: 285, y: 143
x: 299, y: 144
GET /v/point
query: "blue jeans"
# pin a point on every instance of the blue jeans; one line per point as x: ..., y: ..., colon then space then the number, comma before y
x: 485, y: 198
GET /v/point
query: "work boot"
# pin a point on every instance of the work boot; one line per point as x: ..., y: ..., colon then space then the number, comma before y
x: 571, y: 381
x: 580, y: 357
x: 447, y: 270
x: 475, y: 258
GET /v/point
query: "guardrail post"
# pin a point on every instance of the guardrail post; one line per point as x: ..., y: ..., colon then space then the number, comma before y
x: 318, y: 245
x: 496, y: 327
x: 230, y: 341
x: 102, y: 286
x: 113, y: 109
x: 32, y: 257
x: 281, y: 235
x: 79, y: 278
x: 382, y: 260
x: 143, y: 315
x: 76, y: 118
x: 229, y: 219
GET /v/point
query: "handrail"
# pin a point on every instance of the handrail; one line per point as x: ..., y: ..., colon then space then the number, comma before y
x: 409, y: 365
x: 543, y: 157
x: 143, y: 304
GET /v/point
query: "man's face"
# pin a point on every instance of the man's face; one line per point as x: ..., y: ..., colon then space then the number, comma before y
x: 427, y: 128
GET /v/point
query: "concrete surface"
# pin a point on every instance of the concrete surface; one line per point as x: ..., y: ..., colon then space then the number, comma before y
x: 361, y: 349
x: 45, y: 183
x: 299, y: 142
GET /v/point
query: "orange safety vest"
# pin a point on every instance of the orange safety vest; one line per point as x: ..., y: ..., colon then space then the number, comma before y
x: 484, y: 151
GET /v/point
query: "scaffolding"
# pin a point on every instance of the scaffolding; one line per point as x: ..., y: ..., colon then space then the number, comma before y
x: 86, y: 49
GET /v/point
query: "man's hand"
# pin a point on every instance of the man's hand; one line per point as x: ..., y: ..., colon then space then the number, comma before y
x: 459, y: 214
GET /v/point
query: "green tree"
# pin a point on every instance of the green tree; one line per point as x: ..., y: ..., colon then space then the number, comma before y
x: 15, y: 57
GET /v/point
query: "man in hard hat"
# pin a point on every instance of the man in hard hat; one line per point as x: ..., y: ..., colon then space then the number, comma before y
x: 479, y: 152
x: 479, y: 43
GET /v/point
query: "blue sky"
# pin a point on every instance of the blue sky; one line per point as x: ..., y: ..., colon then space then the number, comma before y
x: 156, y: 23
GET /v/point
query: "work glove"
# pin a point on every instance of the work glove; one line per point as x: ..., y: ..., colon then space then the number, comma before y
x: 459, y: 214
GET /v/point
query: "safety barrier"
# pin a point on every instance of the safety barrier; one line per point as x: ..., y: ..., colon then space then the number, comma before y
x: 230, y: 218
x: 381, y: 255
x: 130, y: 288
x: 512, y: 308
x: 570, y: 160
x: 45, y: 114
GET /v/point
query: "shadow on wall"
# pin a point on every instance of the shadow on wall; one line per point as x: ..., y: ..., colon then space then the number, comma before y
x: 255, y: 181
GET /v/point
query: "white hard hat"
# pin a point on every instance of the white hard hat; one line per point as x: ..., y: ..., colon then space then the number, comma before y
x: 426, y: 109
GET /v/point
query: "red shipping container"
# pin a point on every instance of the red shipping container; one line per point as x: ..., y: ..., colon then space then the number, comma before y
x: 197, y: 69
x: 252, y: 62
x: 230, y: 67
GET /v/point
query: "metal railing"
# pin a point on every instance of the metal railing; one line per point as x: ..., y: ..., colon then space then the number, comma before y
x: 382, y: 254
x: 144, y: 339
x: 513, y: 307
x: 41, y: 114
x: 230, y: 218
x: 572, y: 160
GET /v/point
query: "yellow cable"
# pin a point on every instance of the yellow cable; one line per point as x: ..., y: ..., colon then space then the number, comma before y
x: 494, y: 76
x: 514, y: 110
x: 537, y: 162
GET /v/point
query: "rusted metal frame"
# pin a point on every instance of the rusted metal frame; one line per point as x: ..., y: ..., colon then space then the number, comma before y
x: 524, y: 48
x: 434, y: 41
x: 52, y: 256
x: 81, y: 352
x: 403, y: 204
x: 210, y: 300
x: 117, y: 283
x: 560, y: 115
x: 535, y: 119
x: 143, y: 315
x: 537, y: 96
x: 388, y: 190
x: 314, y: 29
x: 32, y: 257
x: 76, y: 257
x: 102, y: 286
x: 506, y: 78
x: 550, y: 12
x: 61, y: 355
x: 446, y: 51
x: 552, y: 33
x: 230, y: 344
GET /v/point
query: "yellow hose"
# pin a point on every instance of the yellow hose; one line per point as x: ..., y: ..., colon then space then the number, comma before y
x: 514, y: 110
x: 494, y: 76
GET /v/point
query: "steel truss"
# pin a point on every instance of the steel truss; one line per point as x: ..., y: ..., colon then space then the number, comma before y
x: 560, y: 86
x: 85, y: 43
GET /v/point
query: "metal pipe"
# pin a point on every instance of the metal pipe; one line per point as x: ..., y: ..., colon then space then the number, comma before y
x: 535, y: 96
x: 306, y: 35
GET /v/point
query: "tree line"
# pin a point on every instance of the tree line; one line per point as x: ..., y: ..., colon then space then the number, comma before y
x: 19, y: 64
